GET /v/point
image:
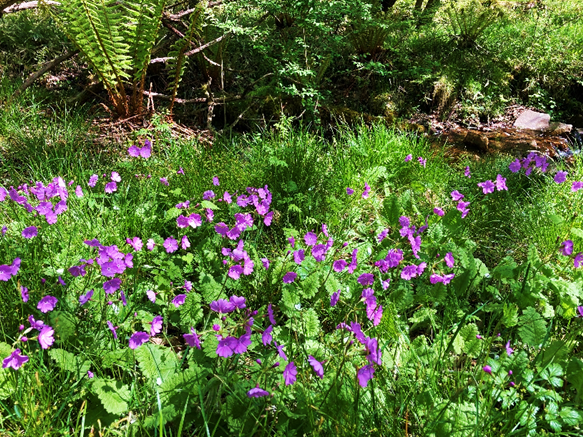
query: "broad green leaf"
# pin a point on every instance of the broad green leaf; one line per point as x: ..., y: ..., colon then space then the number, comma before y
x: 156, y: 362
x: 310, y: 323
x: 532, y: 327
x: 70, y: 362
x: 114, y: 395
x: 208, y: 205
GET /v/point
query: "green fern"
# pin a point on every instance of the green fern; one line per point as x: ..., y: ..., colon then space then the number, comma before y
x: 117, y: 40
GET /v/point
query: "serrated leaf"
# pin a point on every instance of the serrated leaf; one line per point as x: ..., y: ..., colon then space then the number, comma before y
x: 70, y: 362
x: 472, y: 345
x: 114, y: 395
x: 570, y: 416
x: 289, y: 300
x: 209, y: 346
x: 310, y: 323
x: 191, y: 311
x: 552, y: 374
x: 392, y: 209
x: 309, y: 286
x: 121, y: 357
x: 156, y: 361
x: 575, y: 375
x: 209, y: 287
x: 63, y: 324
x: 510, y: 315
x: 533, y: 327
x: 208, y: 205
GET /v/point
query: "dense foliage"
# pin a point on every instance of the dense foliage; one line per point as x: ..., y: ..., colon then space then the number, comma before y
x: 251, y: 63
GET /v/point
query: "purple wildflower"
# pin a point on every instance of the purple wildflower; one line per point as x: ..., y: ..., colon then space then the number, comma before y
x: 289, y: 277
x: 319, y: 252
x: 164, y: 181
x: 515, y: 166
x: 334, y: 298
x: 266, y: 337
x: 366, y: 191
x: 463, y: 208
x: 456, y: 195
x: 487, y: 186
x: 349, y: 191
x: 24, y: 293
x: 270, y: 314
x: 560, y: 177
x: 222, y: 306
x: 365, y: 374
x: 467, y: 172
x: 339, y: 265
x: 47, y: 304
x: 578, y: 260
x: 299, y: 256
x: 30, y: 232
x: 311, y: 239
x: 422, y: 161
x: 567, y: 247
x: 366, y: 279
x: 170, y: 244
x: 84, y: 298
x: 45, y: 337
x: 179, y: 300
x: 408, y: 158
x: 317, y: 366
x: 501, y: 183
x: 257, y: 392
x: 207, y: 195
x: 192, y: 339
x: 93, y: 180
x: 110, y: 187
x: 265, y: 263
x: 112, y: 329
x: 289, y: 373
x: 509, y: 350
x: 138, y: 338
x: 487, y: 369
x: 449, y: 261
x: 14, y: 360
x: 156, y: 326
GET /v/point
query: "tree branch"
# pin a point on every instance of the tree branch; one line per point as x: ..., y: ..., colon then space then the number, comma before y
x: 193, y: 51
x: 27, y: 5
x: 46, y: 67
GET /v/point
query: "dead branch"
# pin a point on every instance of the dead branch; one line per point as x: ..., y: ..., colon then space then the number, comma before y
x: 182, y: 101
x: 27, y: 5
x: 191, y: 52
x: 46, y: 67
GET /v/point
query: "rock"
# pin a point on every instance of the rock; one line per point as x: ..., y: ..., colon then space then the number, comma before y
x: 557, y: 128
x: 477, y: 139
x: 533, y: 120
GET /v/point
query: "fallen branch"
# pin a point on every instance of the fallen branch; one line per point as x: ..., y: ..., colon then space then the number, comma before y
x: 191, y: 52
x: 46, y: 67
x: 28, y: 5
x: 165, y: 97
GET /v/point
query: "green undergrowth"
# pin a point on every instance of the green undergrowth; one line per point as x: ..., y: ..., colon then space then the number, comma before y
x: 443, y: 358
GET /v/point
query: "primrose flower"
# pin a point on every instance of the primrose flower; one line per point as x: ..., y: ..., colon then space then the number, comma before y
x: 151, y: 296
x: 501, y: 183
x: 299, y: 256
x: 349, y: 191
x: 487, y: 369
x: 366, y: 279
x: 112, y: 285
x: 24, y: 293
x: 408, y: 158
x: 463, y: 208
x: 45, y: 337
x: 266, y: 337
x: 339, y: 265
x: 179, y: 300
x: 110, y: 187
x: 366, y: 191
x: 509, y: 350
x: 365, y: 374
x: 222, y: 306
x: 84, y: 298
x: 289, y: 373
x: 207, y: 195
x: 439, y: 211
x: 515, y: 166
x: 567, y: 247
x: 578, y: 260
x: 560, y: 177
x: 409, y: 272
x: 317, y: 366
x: 47, y: 304
x: 115, y: 177
x: 265, y: 263
x: 156, y: 326
x: 30, y: 232
x: 334, y: 298
x: 150, y: 244
x: 449, y: 261
x: 14, y: 360
x: 422, y: 161
x: 319, y: 252
x: 383, y: 234
x: 487, y: 187
x: 164, y: 181
x: 289, y: 277
x: 93, y: 180
x: 192, y: 339
x: 170, y: 244
x: 112, y: 329
x: 138, y: 338
x: 456, y: 195
x: 257, y: 392
x: 238, y: 302
x: 467, y: 172
x: 576, y: 186
x: 270, y: 314
x: 310, y: 239
x: 184, y: 243
x: 144, y: 152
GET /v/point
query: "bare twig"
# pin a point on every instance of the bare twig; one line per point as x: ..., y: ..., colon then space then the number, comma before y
x: 46, y: 67
x: 165, y: 97
x: 192, y: 52
x: 27, y: 5
x: 179, y: 15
